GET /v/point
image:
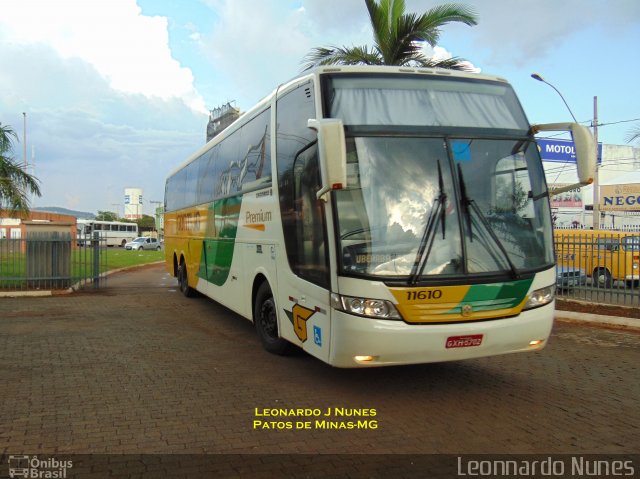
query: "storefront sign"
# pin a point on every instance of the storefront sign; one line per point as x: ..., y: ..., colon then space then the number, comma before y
x: 620, y: 197
x: 568, y: 199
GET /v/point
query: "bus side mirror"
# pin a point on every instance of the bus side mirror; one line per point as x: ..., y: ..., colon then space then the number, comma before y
x: 585, y: 151
x: 332, y: 150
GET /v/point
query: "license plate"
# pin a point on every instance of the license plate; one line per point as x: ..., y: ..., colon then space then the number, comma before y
x: 468, y: 341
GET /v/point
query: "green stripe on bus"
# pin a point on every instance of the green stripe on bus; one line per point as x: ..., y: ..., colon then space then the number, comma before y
x: 487, y: 297
x: 220, y: 239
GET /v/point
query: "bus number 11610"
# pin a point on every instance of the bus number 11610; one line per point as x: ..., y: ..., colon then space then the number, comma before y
x: 423, y: 294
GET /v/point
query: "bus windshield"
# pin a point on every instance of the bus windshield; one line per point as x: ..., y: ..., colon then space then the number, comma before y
x: 422, y: 203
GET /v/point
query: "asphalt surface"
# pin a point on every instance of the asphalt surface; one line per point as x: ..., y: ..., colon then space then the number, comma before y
x: 134, y: 380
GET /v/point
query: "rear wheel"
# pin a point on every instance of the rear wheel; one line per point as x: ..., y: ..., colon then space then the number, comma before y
x: 265, y: 318
x: 602, y: 278
x: 183, y: 281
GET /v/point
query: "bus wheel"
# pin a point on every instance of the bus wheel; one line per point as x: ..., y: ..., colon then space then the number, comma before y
x: 183, y: 281
x: 265, y: 318
x: 602, y: 278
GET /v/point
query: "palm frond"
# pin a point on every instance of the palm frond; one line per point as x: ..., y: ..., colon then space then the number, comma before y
x: 15, y: 183
x: 6, y: 133
x: 453, y: 63
x: 341, y: 56
x: 430, y: 22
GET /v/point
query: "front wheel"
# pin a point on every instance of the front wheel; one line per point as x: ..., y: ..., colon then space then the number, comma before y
x: 265, y: 318
x: 183, y: 281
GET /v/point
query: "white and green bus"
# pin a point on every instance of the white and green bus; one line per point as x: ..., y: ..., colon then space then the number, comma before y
x: 375, y: 216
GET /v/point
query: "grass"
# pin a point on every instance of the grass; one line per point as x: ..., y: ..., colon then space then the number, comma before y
x: 13, y: 265
x: 121, y: 258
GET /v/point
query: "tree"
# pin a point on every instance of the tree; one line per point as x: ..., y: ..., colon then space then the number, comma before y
x: 398, y: 37
x: 15, y: 183
x: 107, y: 216
x: 146, y: 223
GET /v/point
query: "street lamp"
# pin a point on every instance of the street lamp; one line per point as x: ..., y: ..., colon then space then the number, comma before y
x: 537, y: 76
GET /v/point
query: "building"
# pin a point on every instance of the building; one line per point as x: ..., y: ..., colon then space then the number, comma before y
x: 15, y: 227
x: 12, y: 226
x: 220, y: 118
x: 618, y: 195
x: 133, y: 203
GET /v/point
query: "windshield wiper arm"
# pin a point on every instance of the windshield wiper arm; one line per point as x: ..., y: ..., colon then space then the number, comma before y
x: 468, y: 202
x: 426, y: 243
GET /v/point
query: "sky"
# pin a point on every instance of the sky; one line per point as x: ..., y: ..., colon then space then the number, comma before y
x: 116, y: 93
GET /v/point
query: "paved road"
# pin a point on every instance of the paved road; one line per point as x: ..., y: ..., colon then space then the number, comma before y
x: 137, y: 368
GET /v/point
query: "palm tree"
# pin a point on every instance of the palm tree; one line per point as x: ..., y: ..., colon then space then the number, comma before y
x: 398, y: 37
x: 15, y: 183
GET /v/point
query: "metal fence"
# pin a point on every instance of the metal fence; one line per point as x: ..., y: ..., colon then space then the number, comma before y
x: 598, y: 266
x: 48, y: 261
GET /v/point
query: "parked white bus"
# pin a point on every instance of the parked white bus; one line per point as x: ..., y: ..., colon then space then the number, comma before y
x: 112, y: 233
x: 375, y: 216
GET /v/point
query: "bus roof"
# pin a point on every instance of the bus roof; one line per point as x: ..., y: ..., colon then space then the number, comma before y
x: 316, y: 72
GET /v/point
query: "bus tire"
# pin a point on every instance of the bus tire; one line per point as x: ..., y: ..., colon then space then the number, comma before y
x: 183, y: 281
x: 265, y: 319
x: 602, y: 278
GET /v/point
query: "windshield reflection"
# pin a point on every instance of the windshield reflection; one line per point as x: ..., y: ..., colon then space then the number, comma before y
x: 393, y: 186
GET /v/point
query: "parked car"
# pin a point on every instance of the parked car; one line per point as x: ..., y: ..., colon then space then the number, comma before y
x: 567, y: 277
x: 144, y: 243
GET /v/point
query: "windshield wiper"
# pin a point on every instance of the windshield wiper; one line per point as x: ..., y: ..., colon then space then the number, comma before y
x: 468, y: 202
x: 429, y: 235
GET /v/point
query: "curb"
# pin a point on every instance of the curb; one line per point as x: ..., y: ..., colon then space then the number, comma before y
x: 77, y: 287
x: 597, y: 319
x: 23, y: 294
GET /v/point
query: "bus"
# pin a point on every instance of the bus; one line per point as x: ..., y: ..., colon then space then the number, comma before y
x: 375, y: 216
x: 112, y: 233
x: 605, y: 256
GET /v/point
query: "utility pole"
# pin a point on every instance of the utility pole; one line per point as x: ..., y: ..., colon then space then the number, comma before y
x: 24, y: 139
x: 596, y: 181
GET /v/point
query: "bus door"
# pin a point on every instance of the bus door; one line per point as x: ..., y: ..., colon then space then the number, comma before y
x: 304, y: 287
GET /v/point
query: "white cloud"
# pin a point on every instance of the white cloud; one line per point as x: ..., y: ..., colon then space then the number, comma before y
x: 254, y: 46
x: 91, y: 140
x: 514, y: 33
x: 440, y: 53
x: 129, y: 49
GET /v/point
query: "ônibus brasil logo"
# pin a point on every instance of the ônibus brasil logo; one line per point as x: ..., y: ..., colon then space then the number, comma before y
x: 34, y: 467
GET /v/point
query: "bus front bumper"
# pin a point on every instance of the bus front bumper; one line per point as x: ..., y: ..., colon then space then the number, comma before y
x: 364, y: 342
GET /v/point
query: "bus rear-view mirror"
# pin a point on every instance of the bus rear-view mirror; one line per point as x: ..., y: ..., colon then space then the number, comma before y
x: 585, y: 148
x: 333, y: 154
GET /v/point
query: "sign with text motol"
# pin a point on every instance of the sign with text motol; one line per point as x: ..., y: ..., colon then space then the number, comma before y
x: 560, y: 150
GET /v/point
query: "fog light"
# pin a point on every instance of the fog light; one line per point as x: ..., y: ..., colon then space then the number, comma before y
x: 364, y: 359
x: 535, y: 342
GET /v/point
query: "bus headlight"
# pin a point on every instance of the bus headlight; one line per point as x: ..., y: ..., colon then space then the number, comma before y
x: 540, y: 297
x: 370, y: 308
